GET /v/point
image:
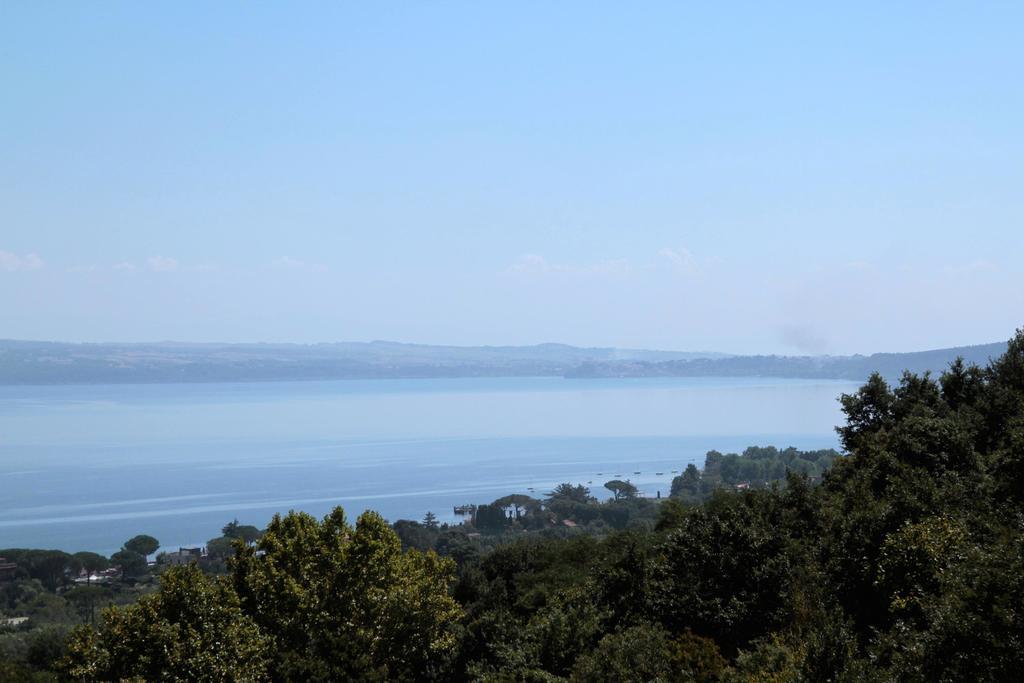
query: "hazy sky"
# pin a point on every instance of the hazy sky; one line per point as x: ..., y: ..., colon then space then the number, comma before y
x: 731, y: 176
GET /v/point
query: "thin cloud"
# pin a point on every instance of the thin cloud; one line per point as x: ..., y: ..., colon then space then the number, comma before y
x: 680, y: 259
x: 535, y: 264
x: 530, y: 263
x: 973, y: 268
x: 162, y: 264
x: 11, y: 262
x: 156, y: 264
x: 166, y: 264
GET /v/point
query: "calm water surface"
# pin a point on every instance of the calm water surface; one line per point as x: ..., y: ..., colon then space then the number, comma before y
x: 86, y: 467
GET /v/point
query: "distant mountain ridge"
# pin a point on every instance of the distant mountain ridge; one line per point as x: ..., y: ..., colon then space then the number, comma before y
x: 34, y: 362
x: 856, y: 367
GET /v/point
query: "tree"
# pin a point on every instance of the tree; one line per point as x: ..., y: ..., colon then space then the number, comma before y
x: 569, y: 493
x: 90, y: 562
x: 726, y: 572
x: 46, y: 647
x: 191, y: 629
x: 868, y: 411
x: 85, y: 599
x: 346, y: 604
x: 490, y: 519
x: 49, y: 566
x: 621, y: 583
x: 247, y: 533
x: 142, y: 544
x: 517, y: 501
x: 230, y: 529
x: 456, y: 545
x: 640, y: 653
x: 621, y: 489
x: 696, y: 659
x: 687, y: 484
x: 130, y: 562
x: 713, y: 468
x: 563, y: 629
x: 430, y: 520
x: 24, y: 673
x: 415, y: 535
x: 219, y: 548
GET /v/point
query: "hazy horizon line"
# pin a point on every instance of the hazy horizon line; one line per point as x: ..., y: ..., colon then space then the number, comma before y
x: 472, y: 346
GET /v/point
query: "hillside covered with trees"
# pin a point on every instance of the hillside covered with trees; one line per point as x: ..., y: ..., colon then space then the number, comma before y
x: 858, y: 368
x: 36, y: 362
x: 33, y: 362
x: 903, y: 561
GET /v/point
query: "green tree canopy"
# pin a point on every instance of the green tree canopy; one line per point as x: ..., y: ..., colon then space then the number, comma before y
x: 90, y: 562
x: 570, y: 493
x: 191, y: 629
x: 346, y: 604
x: 142, y: 544
x: 48, y: 566
x: 245, y: 532
x: 687, y: 485
x: 621, y: 489
x: 131, y: 563
x: 490, y: 519
x: 518, y: 502
x: 726, y: 572
x: 220, y: 547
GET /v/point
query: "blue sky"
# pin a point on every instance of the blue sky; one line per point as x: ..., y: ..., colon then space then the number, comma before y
x: 804, y: 178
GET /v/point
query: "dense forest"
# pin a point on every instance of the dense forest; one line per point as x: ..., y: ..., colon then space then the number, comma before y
x: 901, y: 559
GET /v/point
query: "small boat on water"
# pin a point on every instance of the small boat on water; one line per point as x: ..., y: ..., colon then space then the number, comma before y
x: 659, y: 474
x: 636, y: 473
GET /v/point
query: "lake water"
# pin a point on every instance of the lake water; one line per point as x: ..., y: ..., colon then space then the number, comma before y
x: 87, y: 467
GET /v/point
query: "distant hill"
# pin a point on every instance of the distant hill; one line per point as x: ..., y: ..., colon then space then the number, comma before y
x: 32, y: 362
x: 857, y: 367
